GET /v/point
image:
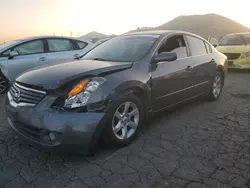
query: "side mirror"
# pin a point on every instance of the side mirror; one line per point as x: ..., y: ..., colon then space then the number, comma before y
x: 13, y: 54
x: 165, y: 56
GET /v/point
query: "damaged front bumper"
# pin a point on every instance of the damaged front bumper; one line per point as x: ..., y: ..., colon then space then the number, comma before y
x: 52, y: 129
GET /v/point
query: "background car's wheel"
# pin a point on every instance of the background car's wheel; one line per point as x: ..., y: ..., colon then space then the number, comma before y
x: 3, y: 84
x: 216, y: 88
x: 125, y: 120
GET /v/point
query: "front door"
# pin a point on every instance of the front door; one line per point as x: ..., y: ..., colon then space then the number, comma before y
x: 30, y: 54
x: 172, y: 81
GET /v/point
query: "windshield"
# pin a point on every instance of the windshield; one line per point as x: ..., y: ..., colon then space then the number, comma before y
x: 123, y: 48
x: 100, y: 42
x: 9, y: 43
x: 247, y: 39
x: 232, y: 40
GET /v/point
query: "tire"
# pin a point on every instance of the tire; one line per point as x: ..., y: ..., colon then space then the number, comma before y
x: 216, y: 87
x: 119, y: 121
x: 3, y: 84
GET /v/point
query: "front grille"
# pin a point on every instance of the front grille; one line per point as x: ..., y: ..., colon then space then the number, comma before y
x: 25, y: 95
x: 232, y: 55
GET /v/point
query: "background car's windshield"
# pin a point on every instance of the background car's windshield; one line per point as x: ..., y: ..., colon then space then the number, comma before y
x: 123, y: 49
x: 9, y: 43
x: 232, y: 40
x: 246, y: 38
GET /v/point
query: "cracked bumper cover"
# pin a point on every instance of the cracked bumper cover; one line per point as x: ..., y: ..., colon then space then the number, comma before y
x: 71, y: 131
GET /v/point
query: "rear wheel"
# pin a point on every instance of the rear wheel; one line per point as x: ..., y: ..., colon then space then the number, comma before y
x: 216, y: 87
x: 3, y: 84
x: 125, y: 121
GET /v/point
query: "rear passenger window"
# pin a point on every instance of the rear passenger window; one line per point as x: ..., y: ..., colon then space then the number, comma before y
x: 59, y: 45
x: 196, y: 46
x: 209, y: 49
x: 81, y: 44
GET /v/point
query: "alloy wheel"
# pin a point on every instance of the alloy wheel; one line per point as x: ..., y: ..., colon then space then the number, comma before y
x: 217, y: 86
x: 3, y: 84
x: 125, y: 120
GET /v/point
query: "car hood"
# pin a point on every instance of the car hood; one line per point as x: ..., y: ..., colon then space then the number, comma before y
x: 234, y: 49
x: 54, y: 76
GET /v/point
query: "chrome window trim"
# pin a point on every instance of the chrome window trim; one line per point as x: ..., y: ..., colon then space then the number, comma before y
x: 29, y: 89
x: 14, y: 104
x: 187, y: 46
x: 183, y: 58
x: 182, y: 90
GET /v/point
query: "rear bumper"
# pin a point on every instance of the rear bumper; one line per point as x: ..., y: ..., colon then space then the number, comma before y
x: 53, y: 130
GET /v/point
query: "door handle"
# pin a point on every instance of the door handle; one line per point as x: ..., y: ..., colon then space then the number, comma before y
x: 212, y: 61
x: 189, y: 68
x: 42, y: 58
x: 76, y: 56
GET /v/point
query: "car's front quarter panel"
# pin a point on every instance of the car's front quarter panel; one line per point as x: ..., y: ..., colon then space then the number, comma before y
x: 4, y: 66
x: 119, y: 83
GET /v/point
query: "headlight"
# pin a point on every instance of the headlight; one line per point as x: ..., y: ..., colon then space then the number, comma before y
x: 245, y: 55
x: 81, y: 93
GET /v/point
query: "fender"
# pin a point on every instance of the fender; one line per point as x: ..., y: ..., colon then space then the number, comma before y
x: 4, y: 70
x: 130, y: 87
x: 101, y: 102
x: 141, y: 90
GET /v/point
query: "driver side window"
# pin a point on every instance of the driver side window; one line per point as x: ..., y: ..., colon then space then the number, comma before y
x: 33, y: 47
x: 175, y: 44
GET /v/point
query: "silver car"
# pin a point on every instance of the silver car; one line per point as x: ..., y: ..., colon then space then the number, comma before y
x: 21, y: 55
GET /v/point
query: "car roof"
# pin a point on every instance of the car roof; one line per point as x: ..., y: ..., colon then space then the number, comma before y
x: 51, y: 36
x: 161, y: 32
x: 19, y: 41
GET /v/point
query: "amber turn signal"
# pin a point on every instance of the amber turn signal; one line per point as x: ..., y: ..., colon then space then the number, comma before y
x: 78, y: 88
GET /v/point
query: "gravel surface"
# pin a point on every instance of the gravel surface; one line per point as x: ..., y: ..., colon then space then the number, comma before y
x: 200, y: 145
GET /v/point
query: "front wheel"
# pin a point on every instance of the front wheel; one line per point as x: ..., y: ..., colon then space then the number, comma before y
x: 3, y: 84
x: 125, y: 120
x: 216, y: 87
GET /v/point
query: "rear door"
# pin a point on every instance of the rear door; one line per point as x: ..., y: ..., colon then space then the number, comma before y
x: 203, y: 64
x: 61, y: 49
x: 31, y: 54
